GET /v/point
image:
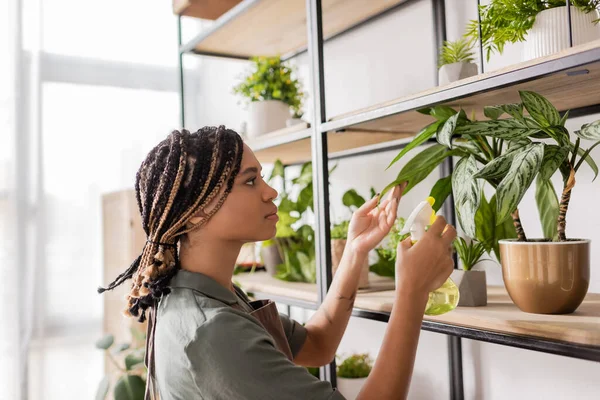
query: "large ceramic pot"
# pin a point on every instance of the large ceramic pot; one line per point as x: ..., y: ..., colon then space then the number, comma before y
x: 266, y: 116
x: 546, y: 277
x: 550, y: 32
x: 350, y: 388
x: 337, y: 250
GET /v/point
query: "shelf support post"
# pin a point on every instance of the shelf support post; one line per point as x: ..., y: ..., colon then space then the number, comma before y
x: 439, y: 29
x: 181, y: 81
x: 569, y: 23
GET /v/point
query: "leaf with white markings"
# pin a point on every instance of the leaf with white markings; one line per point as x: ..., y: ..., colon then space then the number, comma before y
x: 498, y: 167
x: 548, y: 207
x: 495, y: 112
x: 523, y: 170
x: 445, y: 135
x: 590, y: 131
x: 509, y: 129
x: 540, y: 109
x: 513, y: 144
x: 467, y: 193
x: 553, y: 158
x: 421, y: 137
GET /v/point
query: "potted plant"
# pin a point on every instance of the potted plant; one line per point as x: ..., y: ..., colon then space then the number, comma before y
x: 386, y: 252
x: 542, y: 25
x: 128, y: 358
x: 339, y: 235
x: 456, y: 61
x: 352, y: 373
x: 471, y: 284
x: 271, y: 91
x: 549, y: 275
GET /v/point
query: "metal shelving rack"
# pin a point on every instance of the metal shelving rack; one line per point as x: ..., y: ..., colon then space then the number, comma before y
x: 569, y: 64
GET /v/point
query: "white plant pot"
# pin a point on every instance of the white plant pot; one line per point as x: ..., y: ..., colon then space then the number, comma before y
x: 550, y: 32
x: 293, y: 121
x: 266, y: 116
x: 350, y: 388
x: 456, y: 71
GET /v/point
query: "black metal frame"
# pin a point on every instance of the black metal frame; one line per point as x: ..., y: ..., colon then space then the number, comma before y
x: 320, y: 157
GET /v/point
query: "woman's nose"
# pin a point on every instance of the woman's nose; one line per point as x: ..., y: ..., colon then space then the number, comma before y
x: 270, y: 194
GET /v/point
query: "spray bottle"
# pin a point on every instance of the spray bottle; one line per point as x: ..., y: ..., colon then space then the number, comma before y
x: 445, y: 298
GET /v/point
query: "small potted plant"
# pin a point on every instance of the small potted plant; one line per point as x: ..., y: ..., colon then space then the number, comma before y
x: 128, y: 358
x: 507, y: 155
x: 542, y: 25
x: 456, y: 61
x: 272, y: 92
x: 471, y: 284
x: 352, y: 373
x: 339, y: 234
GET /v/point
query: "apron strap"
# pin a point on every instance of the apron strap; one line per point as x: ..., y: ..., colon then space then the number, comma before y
x: 151, y: 389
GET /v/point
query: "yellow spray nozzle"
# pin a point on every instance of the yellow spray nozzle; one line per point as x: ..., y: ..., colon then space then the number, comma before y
x: 431, y: 202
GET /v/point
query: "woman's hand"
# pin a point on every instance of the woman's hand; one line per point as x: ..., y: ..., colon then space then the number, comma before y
x: 370, y: 224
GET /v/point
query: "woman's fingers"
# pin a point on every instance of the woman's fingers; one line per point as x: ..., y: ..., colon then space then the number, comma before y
x: 368, y: 206
x: 449, y: 235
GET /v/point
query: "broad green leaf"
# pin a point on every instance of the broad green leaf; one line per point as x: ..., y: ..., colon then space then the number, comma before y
x: 305, y: 199
x: 590, y: 131
x: 421, y: 137
x: 129, y: 387
x: 467, y: 193
x: 105, y: 342
x: 466, y: 145
x: 518, y: 143
x: 493, y: 112
x: 305, y: 177
x: 498, y: 167
x: 511, y: 189
x: 440, y: 191
x: 131, y: 360
x: 307, y: 266
x: 509, y: 129
x: 547, y: 204
x: 564, y: 118
x: 559, y: 133
x: 445, y: 135
x: 373, y: 192
x: 514, y: 110
x: 553, y: 158
x: 278, y: 170
x: 284, y: 225
x: 485, y: 223
x: 352, y: 199
x: 441, y: 113
x: 540, y: 108
x: 588, y: 159
x: 103, y: 388
x: 506, y: 230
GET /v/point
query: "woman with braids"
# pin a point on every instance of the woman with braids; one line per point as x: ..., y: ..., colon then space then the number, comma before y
x: 201, y: 197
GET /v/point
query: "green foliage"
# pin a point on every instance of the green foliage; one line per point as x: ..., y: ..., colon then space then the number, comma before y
x: 386, y: 254
x: 355, y: 366
x: 129, y: 360
x: 340, y: 231
x: 506, y: 155
x: 352, y: 200
x: 469, y: 253
x: 508, y: 21
x: 272, y: 79
x: 457, y: 51
x: 314, y: 371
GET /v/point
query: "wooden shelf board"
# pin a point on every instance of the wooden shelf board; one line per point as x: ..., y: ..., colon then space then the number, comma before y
x: 566, y: 89
x: 278, y: 27
x: 293, y: 145
x: 500, y: 315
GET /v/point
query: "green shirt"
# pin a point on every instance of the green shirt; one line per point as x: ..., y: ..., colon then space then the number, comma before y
x: 205, y: 349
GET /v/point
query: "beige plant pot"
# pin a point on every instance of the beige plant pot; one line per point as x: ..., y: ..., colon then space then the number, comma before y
x: 266, y: 116
x: 337, y: 250
x: 350, y: 388
x: 546, y: 277
x: 550, y: 32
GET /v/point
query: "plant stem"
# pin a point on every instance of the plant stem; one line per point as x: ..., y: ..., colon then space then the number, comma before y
x: 518, y: 226
x: 112, y: 359
x: 564, y: 206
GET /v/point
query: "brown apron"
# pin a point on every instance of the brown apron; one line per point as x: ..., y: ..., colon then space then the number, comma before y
x: 265, y: 311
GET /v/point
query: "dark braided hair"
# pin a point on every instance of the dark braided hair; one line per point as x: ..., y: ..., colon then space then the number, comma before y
x: 176, y: 181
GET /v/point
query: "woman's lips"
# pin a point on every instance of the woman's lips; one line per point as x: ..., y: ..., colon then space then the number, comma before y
x: 273, y: 217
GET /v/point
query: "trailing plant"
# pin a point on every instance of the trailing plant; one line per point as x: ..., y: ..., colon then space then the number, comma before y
x: 356, y: 366
x: 128, y: 358
x: 508, y: 21
x: 469, y: 253
x: 272, y: 79
x: 458, y: 51
x: 506, y: 155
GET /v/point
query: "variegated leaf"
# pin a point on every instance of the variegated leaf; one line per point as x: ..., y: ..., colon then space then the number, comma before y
x: 553, y: 157
x: 590, y: 131
x: 509, y: 129
x: 584, y: 156
x: 445, y: 135
x: 438, y: 112
x: 540, y: 108
x: 467, y: 193
x: 522, y: 142
x: 564, y: 118
x: 498, y: 167
x: 523, y: 170
x: 421, y: 137
x: 493, y: 112
x: 547, y: 205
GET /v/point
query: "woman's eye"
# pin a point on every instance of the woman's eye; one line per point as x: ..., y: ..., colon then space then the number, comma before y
x: 251, y: 182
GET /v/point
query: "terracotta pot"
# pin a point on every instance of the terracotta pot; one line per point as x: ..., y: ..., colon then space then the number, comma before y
x: 337, y: 250
x: 350, y: 388
x: 544, y: 277
x: 271, y: 258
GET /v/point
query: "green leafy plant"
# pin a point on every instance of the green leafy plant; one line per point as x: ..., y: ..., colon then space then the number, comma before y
x: 469, y: 253
x: 506, y: 155
x: 272, y: 79
x: 508, y: 21
x: 354, y: 367
x: 458, y: 51
x: 128, y: 358
x: 386, y: 254
x: 352, y: 200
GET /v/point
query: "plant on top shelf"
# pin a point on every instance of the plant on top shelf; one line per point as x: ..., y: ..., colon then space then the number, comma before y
x: 271, y: 91
x: 509, y: 21
x: 455, y: 52
x: 506, y: 155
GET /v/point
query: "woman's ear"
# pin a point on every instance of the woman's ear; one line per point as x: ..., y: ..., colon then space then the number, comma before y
x: 196, y: 219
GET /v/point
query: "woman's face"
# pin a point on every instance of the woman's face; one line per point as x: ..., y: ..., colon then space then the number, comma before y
x: 248, y: 213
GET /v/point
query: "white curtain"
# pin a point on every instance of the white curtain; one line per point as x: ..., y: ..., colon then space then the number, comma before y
x: 86, y: 89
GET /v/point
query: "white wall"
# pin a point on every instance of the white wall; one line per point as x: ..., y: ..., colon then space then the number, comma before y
x: 378, y: 62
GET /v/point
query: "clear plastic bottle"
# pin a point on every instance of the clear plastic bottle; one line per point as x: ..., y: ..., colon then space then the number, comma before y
x: 446, y: 297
